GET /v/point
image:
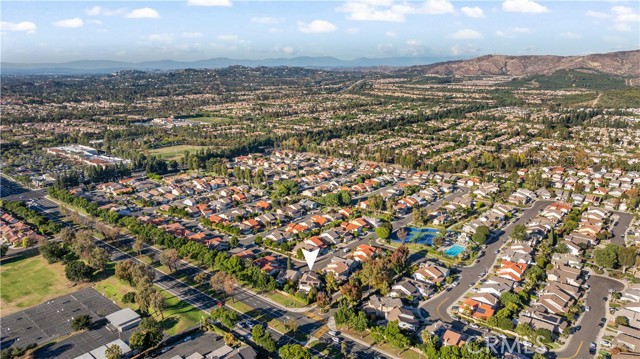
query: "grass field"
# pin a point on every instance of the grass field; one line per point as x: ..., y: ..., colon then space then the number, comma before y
x: 31, y: 281
x: 208, y: 119
x: 178, y: 316
x: 174, y: 152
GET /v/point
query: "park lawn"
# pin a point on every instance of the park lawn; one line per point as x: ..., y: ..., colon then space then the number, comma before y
x: 31, y: 281
x: 174, y: 152
x: 287, y: 300
x: 178, y: 316
x: 209, y: 119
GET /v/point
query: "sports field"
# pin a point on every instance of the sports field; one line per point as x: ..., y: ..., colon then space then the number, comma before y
x: 31, y: 281
x: 174, y: 152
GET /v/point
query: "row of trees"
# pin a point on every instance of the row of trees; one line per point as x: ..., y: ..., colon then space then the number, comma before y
x: 42, y: 224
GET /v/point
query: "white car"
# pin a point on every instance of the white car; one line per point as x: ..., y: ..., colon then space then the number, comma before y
x: 605, y: 343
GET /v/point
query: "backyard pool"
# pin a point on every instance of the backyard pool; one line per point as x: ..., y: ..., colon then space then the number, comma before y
x: 419, y: 235
x: 454, y: 250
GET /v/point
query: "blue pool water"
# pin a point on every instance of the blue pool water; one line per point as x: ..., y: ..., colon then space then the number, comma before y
x: 454, y: 250
x: 419, y: 235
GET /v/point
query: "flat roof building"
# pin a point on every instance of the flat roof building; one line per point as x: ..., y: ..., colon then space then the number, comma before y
x: 124, y: 319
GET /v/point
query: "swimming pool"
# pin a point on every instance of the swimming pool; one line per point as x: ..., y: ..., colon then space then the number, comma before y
x: 418, y: 235
x: 454, y: 250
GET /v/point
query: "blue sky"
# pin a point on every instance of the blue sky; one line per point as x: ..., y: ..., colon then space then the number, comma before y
x: 187, y: 30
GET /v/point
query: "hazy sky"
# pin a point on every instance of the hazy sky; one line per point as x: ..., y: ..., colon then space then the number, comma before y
x: 56, y: 31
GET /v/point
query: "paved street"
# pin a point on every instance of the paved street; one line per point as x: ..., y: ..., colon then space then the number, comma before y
x: 578, y: 345
x: 620, y: 227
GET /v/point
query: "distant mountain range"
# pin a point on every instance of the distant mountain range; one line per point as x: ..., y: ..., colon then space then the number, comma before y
x: 623, y: 64
x: 100, y: 66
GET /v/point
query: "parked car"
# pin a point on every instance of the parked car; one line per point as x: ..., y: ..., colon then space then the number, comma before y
x: 333, y: 333
x: 482, y: 274
x: 587, y: 308
x: 347, y: 250
x: 592, y: 348
x: 187, y: 339
x: 605, y: 343
x: 472, y: 284
x: 336, y: 339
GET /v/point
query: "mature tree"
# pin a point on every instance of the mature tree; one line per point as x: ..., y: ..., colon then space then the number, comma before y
x: 3, y: 250
x: 291, y: 325
x: 399, y: 259
x: 383, y: 233
x: 294, y: 351
x: 200, y: 277
x: 147, y: 335
x: 229, y: 285
x: 83, y: 244
x: 99, y: 258
x: 113, y: 352
x: 80, y: 322
x: 322, y: 300
x: 351, y: 292
x: 143, y: 275
x: 402, y: 234
x: 607, y: 257
x: 331, y: 282
x: 360, y: 323
x: 263, y: 338
x: 170, y: 258
x: 138, y: 244
x: 227, y: 317
x: 519, y: 233
x: 217, y: 281
x: 158, y: 303
x: 143, y: 298
x: 481, y: 235
x: 627, y: 257
x: 77, y: 271
x: 53, y: 251
x: 124, y: 270
x: 233, y: 242
x: 67, y: 235
x: 620, y: 320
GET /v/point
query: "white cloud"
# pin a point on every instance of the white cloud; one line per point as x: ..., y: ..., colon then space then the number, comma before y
x: 143, y: 13
x: 23, y: 26
x: 474, y: 12
x: 98, y: 10
x: 353, y: 30
x: 414, y: 42
x: 69, y: 23
x: 265, y: 20
x: 390, y: 34
x: 514, y: 31
x: 192, y: 35
x: 571, y: 35
x: 209, y: 2
x: 287, y: 50
x: 316, y: 26
x: 622, y: 17
x: 523, y: 6
x: 227, y: 37
x: 387, y: 10
x: 466, y: 34
x: 598, y: 15
x: 166, y: 38
x: 464, y: 50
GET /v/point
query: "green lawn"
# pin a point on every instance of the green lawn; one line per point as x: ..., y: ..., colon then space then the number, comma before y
x: 210, y: 119
x: 178, y: 316
x: 174, y: 152
x: 287, y: 300
x: 31, y: 281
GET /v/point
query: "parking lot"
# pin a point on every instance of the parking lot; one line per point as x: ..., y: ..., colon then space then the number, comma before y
x: 51, y: 320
